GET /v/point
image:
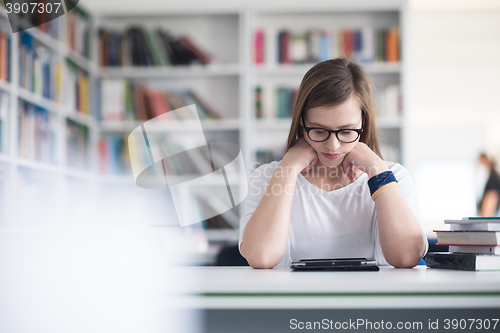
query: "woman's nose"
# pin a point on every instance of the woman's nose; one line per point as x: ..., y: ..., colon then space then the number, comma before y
x: 333, y: 144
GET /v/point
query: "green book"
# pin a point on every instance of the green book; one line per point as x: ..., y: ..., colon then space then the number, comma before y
x: 158, y: 55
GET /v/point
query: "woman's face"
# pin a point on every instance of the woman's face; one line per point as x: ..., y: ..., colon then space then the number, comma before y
x: 331, y: 152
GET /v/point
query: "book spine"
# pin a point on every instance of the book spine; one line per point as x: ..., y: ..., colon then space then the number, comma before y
x: 259, y: 50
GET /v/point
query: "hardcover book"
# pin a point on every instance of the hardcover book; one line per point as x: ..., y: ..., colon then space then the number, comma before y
x: 463, y: 261
x: 468, y: 237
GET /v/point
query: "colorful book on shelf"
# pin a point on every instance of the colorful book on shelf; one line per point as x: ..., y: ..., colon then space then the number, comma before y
x: 365, y: 45
x: 138, y: 46
x: 123, y: 100
x: 200, y: 55
x: 37, y: 133
x: 258, y: 102
x: 468, y: 237
x: 4, y: 56
x: 259, y: 46
x: 392, y: 45
x: 298, y: 48
x: 463, y: 261
x: 113, y: 155
x: 284, y: 37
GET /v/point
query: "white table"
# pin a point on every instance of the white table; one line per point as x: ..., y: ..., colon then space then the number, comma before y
x: 243, y: 299
x: 419, y: 287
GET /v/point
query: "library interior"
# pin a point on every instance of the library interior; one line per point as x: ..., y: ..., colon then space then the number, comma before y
x: 95, y: 99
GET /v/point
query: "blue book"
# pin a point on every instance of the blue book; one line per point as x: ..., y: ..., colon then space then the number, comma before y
x: 324, y: 47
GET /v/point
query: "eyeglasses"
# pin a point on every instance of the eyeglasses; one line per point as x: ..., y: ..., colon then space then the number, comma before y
x: 318, y: 134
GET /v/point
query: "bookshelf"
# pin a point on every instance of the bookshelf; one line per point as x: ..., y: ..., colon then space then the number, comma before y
x: 219, y: 84
x: 227, y: 83
x: 279, y: 62
x: 47, y: 126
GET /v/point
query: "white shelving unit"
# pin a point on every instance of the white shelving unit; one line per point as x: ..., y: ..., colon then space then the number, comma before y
x: 227, y: 83
x: 271, y: 133
x: 222, y: 83
x: 16, y: 170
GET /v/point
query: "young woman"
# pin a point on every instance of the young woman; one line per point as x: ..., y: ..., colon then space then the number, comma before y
x: 332, y: 195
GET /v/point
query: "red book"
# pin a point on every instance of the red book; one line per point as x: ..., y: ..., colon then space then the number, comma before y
x: 285, y: 47
x: 392, y: 45
x: 140, y: 104
x: 3, y: 56
x: 201, y: 55
x: 348, y: 43
x: 158, y: 105
x: 103, y: 153
x: 105, y: 48
x: 259, y: 47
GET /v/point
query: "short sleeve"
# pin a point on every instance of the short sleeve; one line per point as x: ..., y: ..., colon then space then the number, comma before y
x: 407, y: 188
x: 257, y: 185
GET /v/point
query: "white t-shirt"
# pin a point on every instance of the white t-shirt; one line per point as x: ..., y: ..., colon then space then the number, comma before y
x: 336, y: 224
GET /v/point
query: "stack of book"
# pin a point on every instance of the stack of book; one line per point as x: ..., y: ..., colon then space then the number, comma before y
x: 75, y: 31
x: 73, y: 28
x: 474, y: 245
x: 274, y: 102
x: 138, y: 46
x: 123, y: 100
x: 366, y: 45
x: 37, y: 133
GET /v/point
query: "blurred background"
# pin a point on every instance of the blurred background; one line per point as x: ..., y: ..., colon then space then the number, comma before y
x: 72, y: 89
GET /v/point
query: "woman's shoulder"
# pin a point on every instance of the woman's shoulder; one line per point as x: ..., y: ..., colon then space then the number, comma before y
x: 401, y: 173
x: 396, y: 168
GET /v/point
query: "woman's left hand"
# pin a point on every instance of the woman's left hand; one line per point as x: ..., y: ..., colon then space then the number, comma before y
x: 363, y: 158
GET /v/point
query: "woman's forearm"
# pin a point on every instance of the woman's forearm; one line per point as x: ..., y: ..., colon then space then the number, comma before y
x: 490, y: 203
x: 265, y: 236
x: 401, y: 237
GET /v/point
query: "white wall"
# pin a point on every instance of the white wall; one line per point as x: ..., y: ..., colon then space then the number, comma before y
x: 455, y: 79
x: 454, y: 69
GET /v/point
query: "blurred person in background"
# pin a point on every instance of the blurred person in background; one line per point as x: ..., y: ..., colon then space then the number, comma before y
x: 490, y: 201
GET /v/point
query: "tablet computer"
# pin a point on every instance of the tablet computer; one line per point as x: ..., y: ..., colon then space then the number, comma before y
x: 339, y: 264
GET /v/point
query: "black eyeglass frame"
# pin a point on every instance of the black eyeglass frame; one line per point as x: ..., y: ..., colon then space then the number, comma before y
x: 308, y: 129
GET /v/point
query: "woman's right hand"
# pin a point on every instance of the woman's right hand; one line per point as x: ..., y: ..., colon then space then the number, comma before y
x: 301, y: 155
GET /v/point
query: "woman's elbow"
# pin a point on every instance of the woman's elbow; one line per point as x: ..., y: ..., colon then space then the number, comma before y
x: 261, y: 264
x: 408, y: 259
x: 259, y: 261
x: 405, y: 262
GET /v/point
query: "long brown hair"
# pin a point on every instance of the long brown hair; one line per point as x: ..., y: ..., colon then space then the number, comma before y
x: 331, y: 83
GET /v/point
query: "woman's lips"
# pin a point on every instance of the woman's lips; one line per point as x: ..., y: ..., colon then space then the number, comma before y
x: 331, y: 156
